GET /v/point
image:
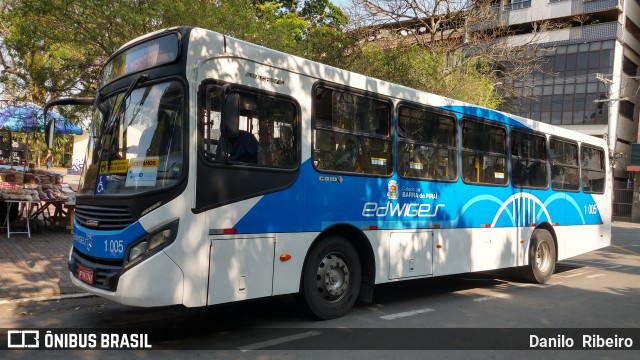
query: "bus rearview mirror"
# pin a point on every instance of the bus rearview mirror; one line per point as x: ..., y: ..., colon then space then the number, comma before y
x: 230, y: 117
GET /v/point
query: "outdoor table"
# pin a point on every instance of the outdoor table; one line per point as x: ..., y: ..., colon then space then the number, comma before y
x: 24, y: 204
x: 59, y: 214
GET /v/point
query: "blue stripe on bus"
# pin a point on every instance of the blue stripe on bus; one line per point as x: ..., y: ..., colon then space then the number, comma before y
x: 328, y: 199
x: 106, y: 244
x: 485, y: 114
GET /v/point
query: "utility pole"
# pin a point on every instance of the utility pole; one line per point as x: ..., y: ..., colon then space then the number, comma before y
x: 612, y: 137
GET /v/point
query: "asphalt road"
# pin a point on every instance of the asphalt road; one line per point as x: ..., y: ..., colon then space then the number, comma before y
x: 491, y: 312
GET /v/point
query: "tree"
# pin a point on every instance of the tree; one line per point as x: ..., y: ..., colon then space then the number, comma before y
x: 468, y: 37
x: 313, y: 29
x: 61, y: 53
x: 412, y: 65
x: 53, y: 48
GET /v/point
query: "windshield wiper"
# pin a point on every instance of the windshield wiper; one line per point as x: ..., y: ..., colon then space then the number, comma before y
x: 139, y: 79
x: 110, y: 123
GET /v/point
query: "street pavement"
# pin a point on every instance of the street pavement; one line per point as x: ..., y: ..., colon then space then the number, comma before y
x: 36, y: 267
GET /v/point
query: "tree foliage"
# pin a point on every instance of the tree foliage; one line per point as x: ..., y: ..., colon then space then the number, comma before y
x: 468, y: 38
x: 53, y: 48
x: 413, y: 66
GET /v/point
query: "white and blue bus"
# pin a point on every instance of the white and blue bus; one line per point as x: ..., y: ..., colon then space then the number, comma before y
x: 219, y: 171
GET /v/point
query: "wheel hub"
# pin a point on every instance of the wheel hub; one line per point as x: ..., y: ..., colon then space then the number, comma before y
x: 332, y: 277
x: 543, y: 260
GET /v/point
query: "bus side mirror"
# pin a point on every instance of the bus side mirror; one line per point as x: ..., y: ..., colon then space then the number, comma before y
x: 230, y: 116
x: 48, y: 130
x: 63, y: 101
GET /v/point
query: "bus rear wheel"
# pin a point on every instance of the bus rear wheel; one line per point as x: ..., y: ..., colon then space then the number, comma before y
x: 331, y: 279
x: 542, y: 257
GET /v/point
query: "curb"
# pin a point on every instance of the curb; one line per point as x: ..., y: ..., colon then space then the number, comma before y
x: 46, y: 298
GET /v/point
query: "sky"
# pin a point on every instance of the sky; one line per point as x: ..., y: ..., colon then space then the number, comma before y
x: 341, y: 3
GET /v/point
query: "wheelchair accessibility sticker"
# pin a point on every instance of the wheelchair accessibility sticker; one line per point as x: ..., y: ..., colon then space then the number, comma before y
x: 102, y: 179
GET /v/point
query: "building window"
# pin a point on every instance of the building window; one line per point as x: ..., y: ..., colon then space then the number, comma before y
x: 629, y: 67
x: 626, y: 109
x: 518, y: 4
x: 632, y: 28
x: 566, y: 88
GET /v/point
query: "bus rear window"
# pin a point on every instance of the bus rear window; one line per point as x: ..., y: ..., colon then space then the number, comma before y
x: 593, y: 175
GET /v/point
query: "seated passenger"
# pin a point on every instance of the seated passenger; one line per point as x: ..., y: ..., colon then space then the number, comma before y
x: 242, y: 148
x: 348, y: 161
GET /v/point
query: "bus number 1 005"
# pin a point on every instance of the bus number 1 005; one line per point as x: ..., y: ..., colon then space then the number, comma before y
x: 591, y: 209
x: 114, y: 246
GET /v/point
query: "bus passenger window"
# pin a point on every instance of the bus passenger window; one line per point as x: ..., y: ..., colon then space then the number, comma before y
x: 484, y: 153
x: 427, y: 146
x: 266, y: 136
x: 351, y: 132
x: 565, y: 169
x: 592, y: 168
x: 348, y: 160
x: 529, y: 159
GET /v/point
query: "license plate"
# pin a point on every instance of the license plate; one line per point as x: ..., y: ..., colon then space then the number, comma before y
x: 85, y: 274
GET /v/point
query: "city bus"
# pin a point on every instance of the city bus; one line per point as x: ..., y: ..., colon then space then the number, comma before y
x: 220, y: 171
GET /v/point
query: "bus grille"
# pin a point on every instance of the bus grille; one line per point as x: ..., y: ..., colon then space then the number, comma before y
x: 105, y: 272
x: 103, y: 217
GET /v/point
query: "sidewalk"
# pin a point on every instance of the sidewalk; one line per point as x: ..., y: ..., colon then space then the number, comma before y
x: 36, y: 266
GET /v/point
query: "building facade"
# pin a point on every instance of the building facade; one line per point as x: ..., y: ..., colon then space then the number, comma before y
x: 590, y: 81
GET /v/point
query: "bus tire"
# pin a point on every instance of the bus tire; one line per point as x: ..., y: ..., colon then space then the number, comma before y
x: 542, y: 257
x: 331, y: 279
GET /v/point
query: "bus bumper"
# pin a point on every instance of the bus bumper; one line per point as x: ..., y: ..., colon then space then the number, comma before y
x: 158, y: 281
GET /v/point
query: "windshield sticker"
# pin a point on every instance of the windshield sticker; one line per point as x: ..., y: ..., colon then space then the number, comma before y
x: 102, y: 180
x: 143, y: 172
x: 114, y: 167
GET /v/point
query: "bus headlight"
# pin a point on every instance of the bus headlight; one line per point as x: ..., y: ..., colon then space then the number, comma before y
x: 159, y: 238
x: 136, y: 251
x: 151, y: 243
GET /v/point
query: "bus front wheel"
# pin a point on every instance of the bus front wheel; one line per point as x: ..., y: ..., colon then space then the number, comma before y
x: 331, y: 279
x: 542, y: 257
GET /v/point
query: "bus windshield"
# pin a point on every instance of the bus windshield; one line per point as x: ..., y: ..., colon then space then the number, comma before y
x: 137, y: 142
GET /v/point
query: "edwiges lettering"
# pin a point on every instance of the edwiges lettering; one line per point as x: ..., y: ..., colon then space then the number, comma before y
x: 372, y: 209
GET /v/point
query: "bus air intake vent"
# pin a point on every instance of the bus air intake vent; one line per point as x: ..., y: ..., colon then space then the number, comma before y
x: 103, y: 217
